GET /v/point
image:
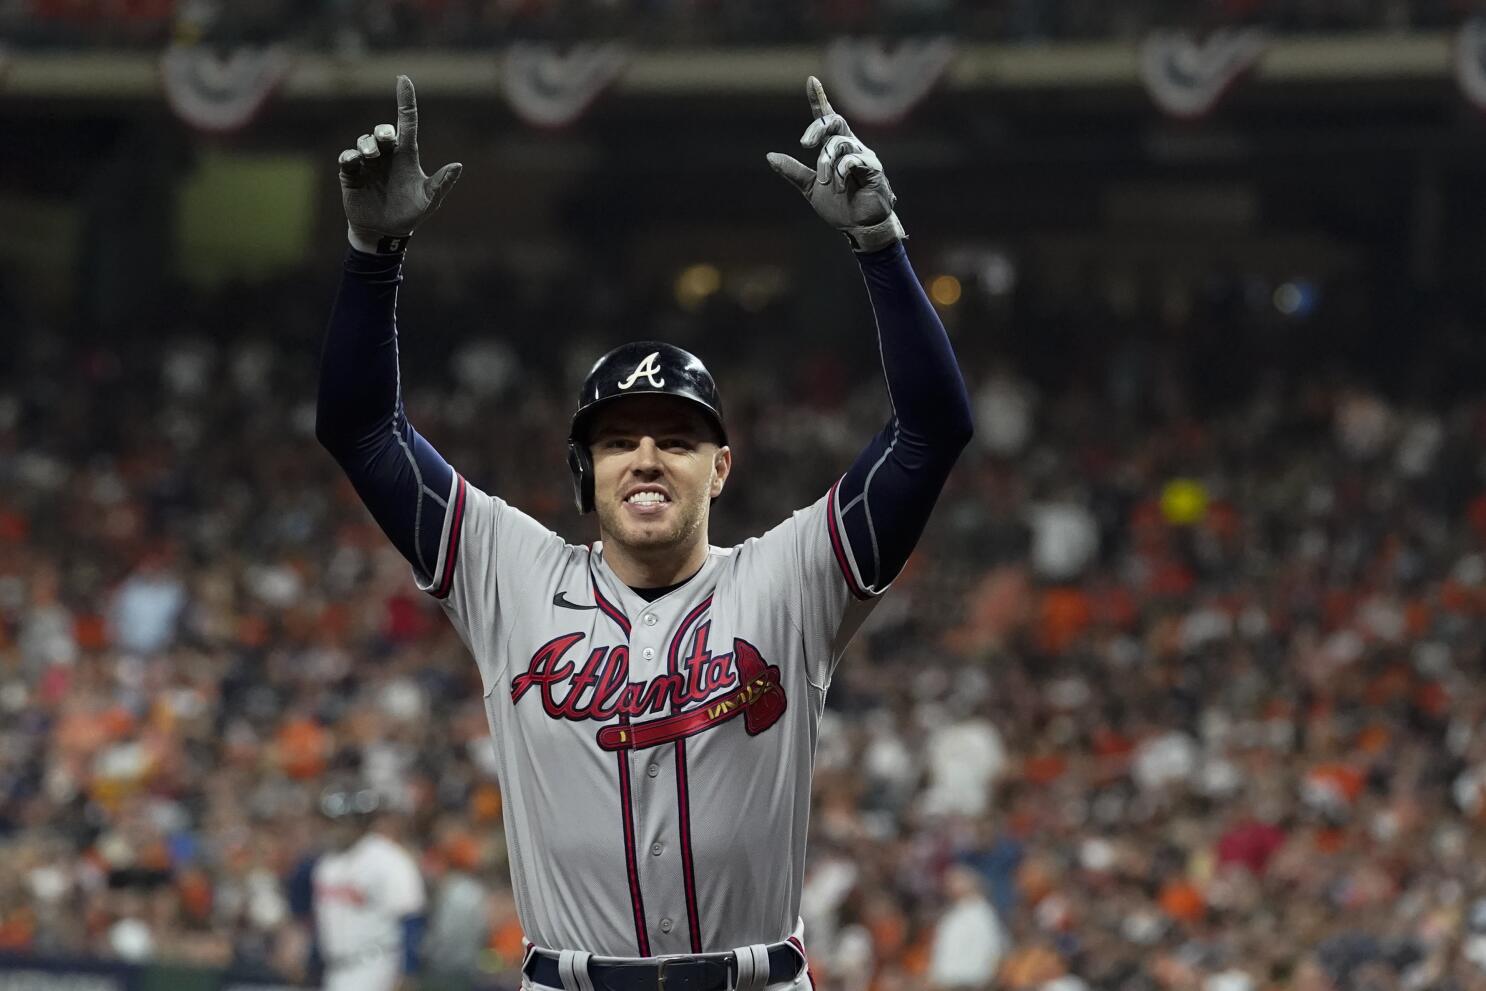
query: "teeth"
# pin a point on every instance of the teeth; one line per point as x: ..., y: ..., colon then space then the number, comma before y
x: 646, y: 498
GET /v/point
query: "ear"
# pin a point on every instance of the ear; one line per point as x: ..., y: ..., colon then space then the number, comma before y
x: 722, y: 466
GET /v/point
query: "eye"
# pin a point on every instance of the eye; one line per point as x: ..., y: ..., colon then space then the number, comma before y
x: 677, y: 444
x: 616, y: 444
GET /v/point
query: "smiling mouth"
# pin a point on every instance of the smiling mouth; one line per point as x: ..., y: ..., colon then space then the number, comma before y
x: 647, y: 503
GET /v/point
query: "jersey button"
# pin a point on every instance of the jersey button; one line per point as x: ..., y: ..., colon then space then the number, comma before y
x: 665, y: 925
x: 648, y: 653
x: 653, y: 770
x: 650, y: 619
x: 657, y: 848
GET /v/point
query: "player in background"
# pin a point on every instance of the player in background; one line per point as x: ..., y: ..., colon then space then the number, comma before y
x: 653, y: 700
x: 368, y: 896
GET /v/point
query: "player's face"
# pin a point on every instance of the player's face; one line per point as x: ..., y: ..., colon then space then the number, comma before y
x: 342, y: 833
x: 656, y: 469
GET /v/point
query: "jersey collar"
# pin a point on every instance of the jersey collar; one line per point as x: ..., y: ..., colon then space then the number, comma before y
x: 630, y: 601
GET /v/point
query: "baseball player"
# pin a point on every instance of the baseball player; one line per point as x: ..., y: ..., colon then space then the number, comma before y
x: 368, y: 896
x: 653, y: 700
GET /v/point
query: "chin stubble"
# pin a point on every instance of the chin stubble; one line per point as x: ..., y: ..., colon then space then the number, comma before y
x: 688, y: 522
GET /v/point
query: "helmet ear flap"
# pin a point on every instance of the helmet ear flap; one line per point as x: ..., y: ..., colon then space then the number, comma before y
x: 580, y: 462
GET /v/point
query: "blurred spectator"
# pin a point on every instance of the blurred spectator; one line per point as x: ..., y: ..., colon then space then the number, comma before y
x: 460, y: 921
x: 965, y: 757
x: 146, y: 607
x: 968, y: 941
x: 1004, y: 408
x: 46, y: 629
x: 1065, y: 537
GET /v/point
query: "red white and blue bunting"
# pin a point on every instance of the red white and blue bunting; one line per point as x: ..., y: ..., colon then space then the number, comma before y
x: 221, y: 93
x: 550, y: 88
x: 1186, y: 77
x: 876, y: 83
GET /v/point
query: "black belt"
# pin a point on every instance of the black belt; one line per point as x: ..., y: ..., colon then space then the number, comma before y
x: 709, y: 972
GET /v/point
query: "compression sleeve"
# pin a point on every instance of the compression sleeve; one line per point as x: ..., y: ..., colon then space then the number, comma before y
x: 887, y: 494
x: 359, y: 416
x: 413, y: 928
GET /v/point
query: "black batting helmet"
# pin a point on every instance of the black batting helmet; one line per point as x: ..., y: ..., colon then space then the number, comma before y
x: 640, y: 368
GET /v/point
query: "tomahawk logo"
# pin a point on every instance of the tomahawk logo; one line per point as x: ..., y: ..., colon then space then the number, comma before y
x: 647, y: 369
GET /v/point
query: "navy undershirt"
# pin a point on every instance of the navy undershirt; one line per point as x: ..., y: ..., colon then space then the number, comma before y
x: 885, y: 496
x: 651, y: 594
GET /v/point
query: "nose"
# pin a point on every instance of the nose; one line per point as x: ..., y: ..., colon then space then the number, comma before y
x: 646, y: 460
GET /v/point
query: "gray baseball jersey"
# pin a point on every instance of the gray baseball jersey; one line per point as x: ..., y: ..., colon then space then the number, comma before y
x: 654, y: 757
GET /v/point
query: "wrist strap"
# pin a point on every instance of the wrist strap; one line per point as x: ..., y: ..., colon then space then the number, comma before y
x: 374, y: 243
x: 877, y: 236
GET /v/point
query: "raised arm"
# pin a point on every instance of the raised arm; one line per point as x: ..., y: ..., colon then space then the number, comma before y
x: 885, y: 497
x: 359, y: 416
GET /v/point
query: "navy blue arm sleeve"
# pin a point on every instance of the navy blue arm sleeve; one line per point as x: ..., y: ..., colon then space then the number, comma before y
x: 359, y: 416
x: 413, y: 928
x: 888, y: 492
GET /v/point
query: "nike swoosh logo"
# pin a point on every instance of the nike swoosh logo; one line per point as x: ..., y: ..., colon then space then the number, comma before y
x: 561, y: 599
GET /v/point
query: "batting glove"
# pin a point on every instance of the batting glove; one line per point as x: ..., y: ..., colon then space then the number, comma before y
x: 383, y: 188
x: 847, y: 186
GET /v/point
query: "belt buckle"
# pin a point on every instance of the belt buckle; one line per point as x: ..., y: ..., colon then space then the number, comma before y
x: 696, y: 974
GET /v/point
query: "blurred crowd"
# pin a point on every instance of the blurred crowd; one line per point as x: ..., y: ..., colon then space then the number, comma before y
x: 1179, y: 693
x: 352, y: 26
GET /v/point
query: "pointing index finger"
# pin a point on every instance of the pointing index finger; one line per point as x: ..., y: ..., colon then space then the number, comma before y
x: 816, y: 93
x: 407, y: 110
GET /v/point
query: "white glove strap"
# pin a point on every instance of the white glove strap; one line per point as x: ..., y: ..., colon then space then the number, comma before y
x: 877, y: 236
x: 376, y: 244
